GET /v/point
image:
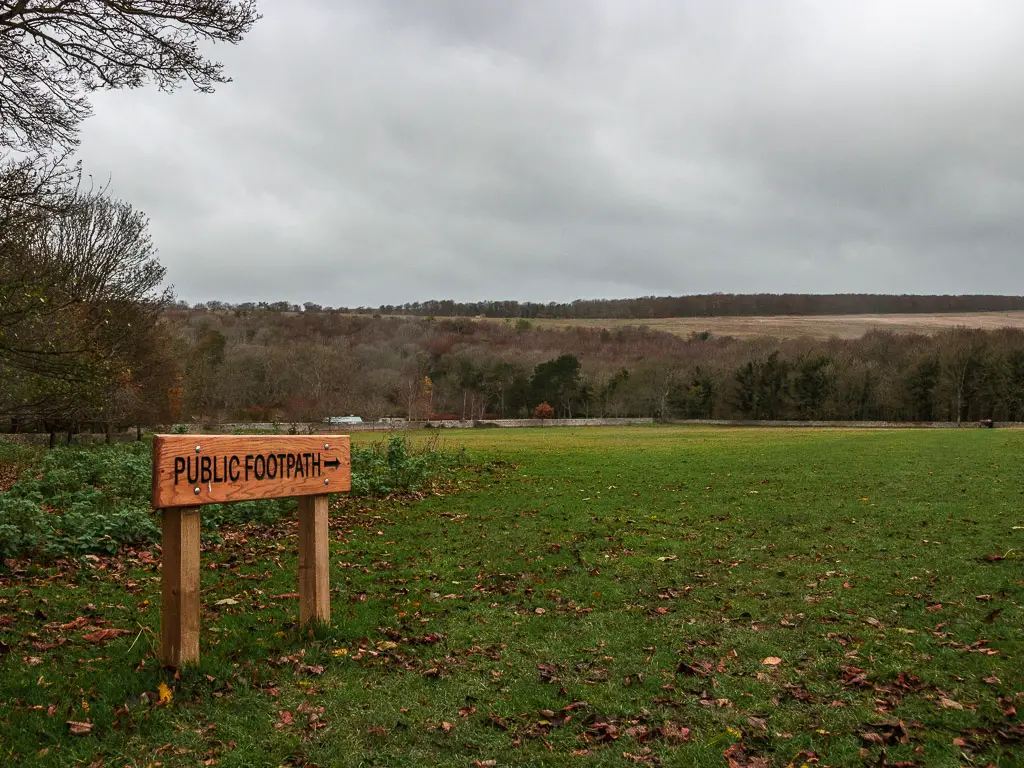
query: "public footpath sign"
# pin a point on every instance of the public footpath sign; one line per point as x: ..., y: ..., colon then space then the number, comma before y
x: 192, y: 470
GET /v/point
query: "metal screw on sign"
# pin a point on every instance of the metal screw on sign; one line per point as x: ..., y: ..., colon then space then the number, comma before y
x: 196, y: 491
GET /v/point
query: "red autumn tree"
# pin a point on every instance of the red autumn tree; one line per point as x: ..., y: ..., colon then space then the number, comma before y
x: 543, y: 411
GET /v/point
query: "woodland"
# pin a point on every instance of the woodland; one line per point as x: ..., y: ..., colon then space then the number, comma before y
x: 264, y: 364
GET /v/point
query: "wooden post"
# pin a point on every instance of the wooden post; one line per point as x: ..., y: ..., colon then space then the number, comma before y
x: 314, y: 561
x: 180, y: 609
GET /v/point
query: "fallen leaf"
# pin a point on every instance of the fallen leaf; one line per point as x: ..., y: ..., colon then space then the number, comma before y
x: 947, y: 703
x: 165, y: 693
x: 104, y: 635
x: 227, y: 601
x: 772, y: 661
x: 738, y: 758
x: 78, y: 728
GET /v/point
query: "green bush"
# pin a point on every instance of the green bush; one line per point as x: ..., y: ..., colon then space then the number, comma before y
x: 85, y: 500
x: 23, y: 525
x: 391, y: 466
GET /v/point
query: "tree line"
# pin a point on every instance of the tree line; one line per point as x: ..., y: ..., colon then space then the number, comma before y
x: 711, y: 305
x: 264, y: 365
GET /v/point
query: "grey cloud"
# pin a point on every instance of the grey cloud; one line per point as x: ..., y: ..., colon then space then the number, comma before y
x: 381, y: 152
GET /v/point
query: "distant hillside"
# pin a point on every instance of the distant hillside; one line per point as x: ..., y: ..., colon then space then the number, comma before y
x: 712, y: 305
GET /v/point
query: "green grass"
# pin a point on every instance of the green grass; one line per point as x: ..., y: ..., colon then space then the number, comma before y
x: 648, y: 572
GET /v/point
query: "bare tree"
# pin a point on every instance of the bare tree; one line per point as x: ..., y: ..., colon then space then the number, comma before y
x: 80, y: 296
x: 54, y: 52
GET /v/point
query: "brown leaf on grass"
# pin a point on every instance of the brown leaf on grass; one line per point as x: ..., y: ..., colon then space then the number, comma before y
x: 547, y: 673
x: 874, y: 622
x: 853, y: 677
x: 798, y: 692
x: 674, y: 733
x: 643, y: 758
x: 78, y: 623
x: 446, y: 727
x: 948, y: 703
x: 104, y: 635
x: 908, y: 682
x: 484, y: 763
x: 1007, y: 706
x: 738, y: 758
x: 284, y: 719
x: 497, y: 722
x: 79, y: 728
x: 602, y: 730
x: 885, y: 733
x: 772, y: 661
x: 992, y: 680
x: 308, y: 669
x: 467, y: 711
x: 702, y: 670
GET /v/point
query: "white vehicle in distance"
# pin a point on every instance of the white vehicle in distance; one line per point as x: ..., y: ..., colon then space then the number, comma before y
x: 343, y: 420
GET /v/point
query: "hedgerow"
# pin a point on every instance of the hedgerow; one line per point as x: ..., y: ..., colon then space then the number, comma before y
x: 94, y: 500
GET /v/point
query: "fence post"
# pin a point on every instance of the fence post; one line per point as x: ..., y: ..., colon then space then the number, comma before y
x: 179, y: 625
x: 314, y: 561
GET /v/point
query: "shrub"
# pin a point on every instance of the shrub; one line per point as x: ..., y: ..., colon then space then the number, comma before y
x: 543, y: 411
x: 23, y: 525
x: 392, y: 466
x: 84, y: 500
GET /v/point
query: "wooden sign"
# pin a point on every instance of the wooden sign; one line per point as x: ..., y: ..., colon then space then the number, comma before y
x: 192, y: 470
x: 211, y: 469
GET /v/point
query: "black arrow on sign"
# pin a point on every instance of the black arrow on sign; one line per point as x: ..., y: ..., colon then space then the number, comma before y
x: 335, y: 463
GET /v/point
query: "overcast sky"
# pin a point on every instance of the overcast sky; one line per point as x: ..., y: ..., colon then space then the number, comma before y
x: 383, y: 151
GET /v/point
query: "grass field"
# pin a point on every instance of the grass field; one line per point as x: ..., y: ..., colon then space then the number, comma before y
x: 585, y: 597
x: 817, y: 327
